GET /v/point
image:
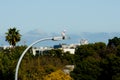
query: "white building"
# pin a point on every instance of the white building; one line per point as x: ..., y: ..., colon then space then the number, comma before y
x: 83, y: 41
x: 66, y: 48
x: 40, y: 50
x: 7, y: 47
x: 72, y: 51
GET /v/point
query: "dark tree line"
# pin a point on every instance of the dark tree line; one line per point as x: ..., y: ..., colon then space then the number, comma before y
x: 98, y: 61
x: 32, y: 67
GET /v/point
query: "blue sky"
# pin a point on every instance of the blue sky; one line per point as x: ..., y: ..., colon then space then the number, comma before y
x: 56, y: 15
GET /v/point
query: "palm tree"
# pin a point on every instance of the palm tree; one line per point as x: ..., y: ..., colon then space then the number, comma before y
x: 13, y: 36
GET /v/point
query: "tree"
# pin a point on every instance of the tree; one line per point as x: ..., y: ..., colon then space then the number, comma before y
x: 13, y: 36
x: 58, y: 75
x: 114, y: 42
x: 87, y: 62
x: 87, y: 69
x: 97, y: 61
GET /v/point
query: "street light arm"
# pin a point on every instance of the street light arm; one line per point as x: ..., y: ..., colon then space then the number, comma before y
x: 60, y: 38
x: 19, y: 61
x: 40, y: 40
x: 57, y: 38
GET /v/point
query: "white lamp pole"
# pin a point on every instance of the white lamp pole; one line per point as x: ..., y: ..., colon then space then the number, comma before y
x: 44, y: 39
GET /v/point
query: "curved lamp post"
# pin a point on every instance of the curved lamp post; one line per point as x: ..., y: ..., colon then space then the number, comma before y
x: 44, y: 39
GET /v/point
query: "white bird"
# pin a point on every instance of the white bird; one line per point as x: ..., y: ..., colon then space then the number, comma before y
x: 63, y: 34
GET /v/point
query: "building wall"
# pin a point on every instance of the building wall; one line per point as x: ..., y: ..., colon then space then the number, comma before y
x: 72, y: 51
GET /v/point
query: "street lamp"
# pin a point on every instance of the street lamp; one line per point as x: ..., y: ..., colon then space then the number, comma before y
x: 40, y: 40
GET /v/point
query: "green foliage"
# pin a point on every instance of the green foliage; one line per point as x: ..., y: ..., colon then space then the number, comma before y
x: 69, y: 57
x: 87, y: 62
x: 114, y: 42
x: 32, y: 67
x: 37, y: 67
x: 57, y: 75
x: 98, y: 61
x: 13, y: 36
x: 8, y: 60
x: 55, y: 52
x: 92, y: 62
x: 110, y: 66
